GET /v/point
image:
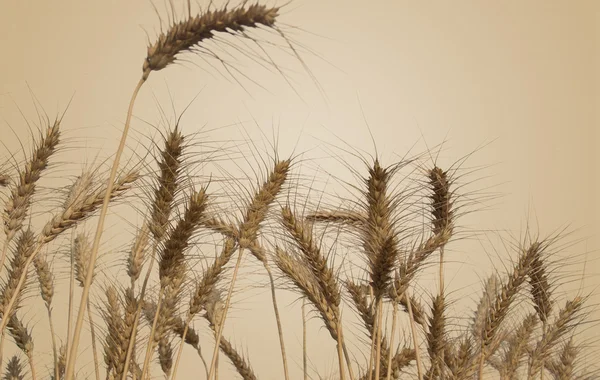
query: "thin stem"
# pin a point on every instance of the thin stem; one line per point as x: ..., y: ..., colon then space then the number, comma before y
x: 442, y: 270
x: 378, y: 342
x: 150, y: 347
x: 93, y: 335
x: 173, y: 375
x: 94, y: 253
x: 304, y: 347
x: 138, y: 312
x: 413, y: 329
x: 31, y: 366
x: 340, y: 353
x: 278, y: 320
x: 71, y: 290
x: 373, y: 338
x: 52, y: 334
x: 391, y: 345
x: 346, y: 354
x: 222, y: 321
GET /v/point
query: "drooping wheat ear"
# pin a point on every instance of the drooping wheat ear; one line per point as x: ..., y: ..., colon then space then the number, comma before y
x: 23, y: 340
x: 436, y: 338
x: 83, y: 208
x: 564, y: 323
x: 300, y: 273
x: 185, y: 35
x: 540, y: 287
x: 517, y: 345
x: 339, y: 217
x: 214, y: 314
x: 169, y: 166
x: 135, y: 260
x: 501, y: 303
x: 312, y: 256
x: 21, y: 194
x: 80, y: 189
x: 248, y: 232
x: 14, y: 369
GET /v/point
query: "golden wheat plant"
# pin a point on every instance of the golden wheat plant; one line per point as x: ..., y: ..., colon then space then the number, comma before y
x: 355, y: 262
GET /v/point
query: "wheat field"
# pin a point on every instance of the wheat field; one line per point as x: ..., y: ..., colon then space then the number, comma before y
x: 190, y: 243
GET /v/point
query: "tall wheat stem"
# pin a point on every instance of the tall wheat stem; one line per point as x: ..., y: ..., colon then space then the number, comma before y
x: 94, y: 253
x: 413, y: 330
x: 52, y: 334
x: 391, y: 345
x: 150, y: 347
x: 378, y: 341
x: 93, y: 336
x: 278, y: 320
x: 31, y: 365
x: 137, y: 318
x: 340, y: 352
x: 219, y: 332
x: 304, y: 348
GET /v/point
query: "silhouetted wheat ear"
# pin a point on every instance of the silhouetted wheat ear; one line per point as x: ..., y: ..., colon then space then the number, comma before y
x: 81, y: 250
x: 379, y: 238
x: 167, y: 183
x: 24, y: 248
x: 129, y: 315
x: 311, y: 254
x: 45, y: 277
x: 540, y: 287
x: 436, y: 338
x: 165, y: 354
x: 207, y: 283
x: 21, y: 335
x: 21, y: 194
x: 113, y: 317
x: 184, y: 35
x: 14, y: 369
x: 441, y: 201
x: 259, y: 206
x: 517, y: 346
x: 135, y: 260
x: 564, y: 323
x: 563, y: 367
x: 82, y: 209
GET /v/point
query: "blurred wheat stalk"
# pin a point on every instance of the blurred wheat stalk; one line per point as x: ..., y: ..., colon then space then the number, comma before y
x: 141, y: 319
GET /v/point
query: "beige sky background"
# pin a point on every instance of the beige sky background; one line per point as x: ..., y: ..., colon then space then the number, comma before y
x: 518, y: 81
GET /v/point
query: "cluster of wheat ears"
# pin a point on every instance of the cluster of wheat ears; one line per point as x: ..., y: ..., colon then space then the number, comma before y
x: 505, y: 337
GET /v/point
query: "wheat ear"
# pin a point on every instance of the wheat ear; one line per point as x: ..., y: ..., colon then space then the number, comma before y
x: 563, y: 324
x: 204, y: 288
x: 20, y: 199
x: 167, y: 184
x: 68, y: 218
x: 82, y: 251
x: 172, y: 268
x: 46, y: 280
x: 442, y: 211
x: 14, y: 369
x: 248, y: 232
x: 23, y: 340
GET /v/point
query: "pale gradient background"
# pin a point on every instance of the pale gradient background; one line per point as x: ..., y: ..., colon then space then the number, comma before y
x: 522, y: 75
